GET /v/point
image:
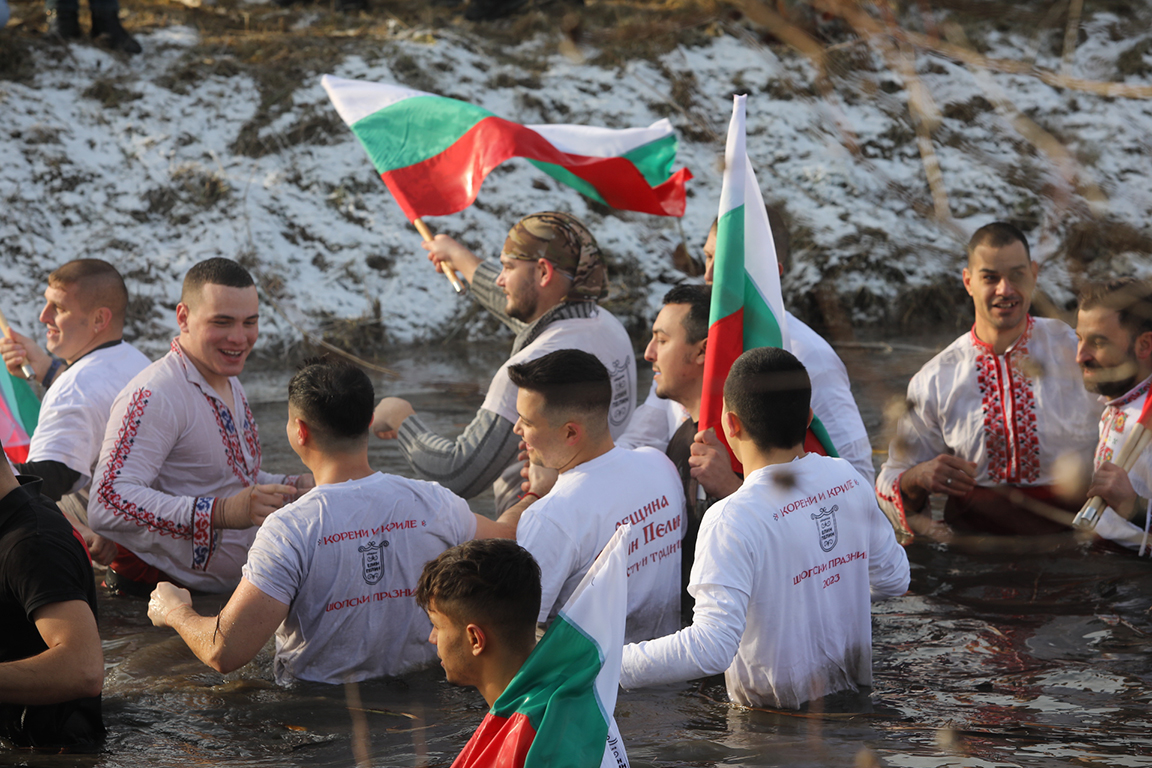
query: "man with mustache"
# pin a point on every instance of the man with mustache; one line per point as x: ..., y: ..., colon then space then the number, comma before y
x: 545, y: 287
x: 178, y: 485
x: 989, y: 416
x: 1114, y: 328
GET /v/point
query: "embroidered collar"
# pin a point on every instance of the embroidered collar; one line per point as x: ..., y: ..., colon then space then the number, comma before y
x: 193, y: 373
x: 1020, y: 343
x: 1136, y: 392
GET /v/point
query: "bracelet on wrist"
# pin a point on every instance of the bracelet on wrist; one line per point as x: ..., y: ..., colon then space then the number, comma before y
x: 526, y: 494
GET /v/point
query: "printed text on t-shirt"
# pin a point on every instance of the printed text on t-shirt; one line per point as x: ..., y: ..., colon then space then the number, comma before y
x: 816, y: 498
x: 832, y: 563
x: 363, y: 533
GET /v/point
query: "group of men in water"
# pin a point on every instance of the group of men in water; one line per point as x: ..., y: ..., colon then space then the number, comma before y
x: 765, y: 575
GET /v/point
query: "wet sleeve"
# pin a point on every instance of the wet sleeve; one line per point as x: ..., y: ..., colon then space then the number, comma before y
x: 466, y: 465
x: 142, y: 430
x: 491, y: 296
x: 58, y: 478
x: 705, y: 648
x: 888, y: 570
x: 275, y: 565
x: 919, y: 438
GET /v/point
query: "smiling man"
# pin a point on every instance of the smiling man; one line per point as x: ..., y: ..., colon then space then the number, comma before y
x: 1114, y: 328
x: 545, y: 288
x: 989, y: 417
x: 178, y: 485
x: 89, y: 364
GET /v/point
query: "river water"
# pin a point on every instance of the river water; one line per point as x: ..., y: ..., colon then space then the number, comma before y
x: 998, y: 656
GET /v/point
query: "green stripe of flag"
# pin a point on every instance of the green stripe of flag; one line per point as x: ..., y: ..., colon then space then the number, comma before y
x: 415, y: 129
x: 653, y: 160
x: 21, y: 401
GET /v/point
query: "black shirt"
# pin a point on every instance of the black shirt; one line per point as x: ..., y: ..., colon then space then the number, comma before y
x: 42, y: 561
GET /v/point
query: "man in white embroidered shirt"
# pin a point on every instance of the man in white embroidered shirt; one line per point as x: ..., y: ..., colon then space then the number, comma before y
x: 990, y: 418
x: 786, y: 566
x: 178, y: 485
x: 1114, y: 328
x: 334, y: 574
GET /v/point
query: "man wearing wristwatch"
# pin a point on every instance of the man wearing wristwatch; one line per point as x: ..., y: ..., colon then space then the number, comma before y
x: 89, y: 364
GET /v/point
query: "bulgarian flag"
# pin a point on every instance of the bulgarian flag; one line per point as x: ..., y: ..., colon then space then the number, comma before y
x: 434, y: 152
x: 557, y: 711
x: 19, y: 412
x: 747, y: 305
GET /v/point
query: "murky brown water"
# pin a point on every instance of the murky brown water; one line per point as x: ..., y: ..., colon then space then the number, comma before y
x: 1022, y: 659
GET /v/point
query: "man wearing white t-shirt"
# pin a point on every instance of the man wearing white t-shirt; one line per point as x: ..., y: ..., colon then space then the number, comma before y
x: 85, y: 302
x: 545, y: 288
x: 786, y: 566
x: 334, y: 574
x: 178, y: 485
x: 563, y: 401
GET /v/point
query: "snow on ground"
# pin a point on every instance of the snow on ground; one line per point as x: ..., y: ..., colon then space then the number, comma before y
x: 136, y: 162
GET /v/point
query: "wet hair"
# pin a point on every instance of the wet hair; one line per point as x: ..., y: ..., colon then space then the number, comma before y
x: 780, y: 237
x: 1130, y: 297
x: 335, y: 399
x: 571, y: 381
x: 998, y: 234
x: 99, y: 284
x: 214, y: 271
x: 494, y: 583
x: 699, y: 301
x: 769, y: 390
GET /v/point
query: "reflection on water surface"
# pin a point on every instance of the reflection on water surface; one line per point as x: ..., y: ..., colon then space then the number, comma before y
x: 991, y: 660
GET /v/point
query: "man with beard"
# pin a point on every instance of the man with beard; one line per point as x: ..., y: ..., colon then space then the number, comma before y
x: 989, y: 416
x: 550, y: 276
x: 1114, y: 328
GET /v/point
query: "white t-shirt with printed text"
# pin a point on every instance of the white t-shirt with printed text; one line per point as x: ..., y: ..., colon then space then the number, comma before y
x: 566, y: 530
x: 346, y: 558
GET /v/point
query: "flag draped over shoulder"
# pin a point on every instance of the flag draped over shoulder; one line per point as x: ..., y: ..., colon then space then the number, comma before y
x: 747, y: 304
x: 434, y: 152
x: 557, y: 711
x: 19, y: 412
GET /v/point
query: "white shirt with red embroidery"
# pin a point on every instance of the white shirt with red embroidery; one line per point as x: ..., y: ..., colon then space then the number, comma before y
x: 1012, y: 414
x: 172, y: 449
x: 1120, y: 415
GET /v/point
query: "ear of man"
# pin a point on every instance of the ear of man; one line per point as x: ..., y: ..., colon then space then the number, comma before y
x: 1142, y: 346
x: 477, y: 638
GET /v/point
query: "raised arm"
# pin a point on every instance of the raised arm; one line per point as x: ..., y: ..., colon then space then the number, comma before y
x: 466, y: 465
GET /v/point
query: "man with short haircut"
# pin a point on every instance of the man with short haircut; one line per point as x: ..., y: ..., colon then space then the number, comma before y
x: 333, y: 574
x: 785, y: 566
x: 482, y: 598
x: 178, y: 485
x: 84, y: 316
x: 51, y: 660
x: 1114, y: 328
x: 563, y: 401
x: 989, y: 416
x: 545, y: 288
x: 832, y: 399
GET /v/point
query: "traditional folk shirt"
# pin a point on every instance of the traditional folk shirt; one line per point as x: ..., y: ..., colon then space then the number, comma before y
x: 1120, y: 415
x: 74, y: 412
x: 1013, y: 414
x: 171, y: 452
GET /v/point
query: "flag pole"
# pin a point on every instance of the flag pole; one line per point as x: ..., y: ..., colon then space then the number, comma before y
x: 449, y: 273
x: 6, y: 329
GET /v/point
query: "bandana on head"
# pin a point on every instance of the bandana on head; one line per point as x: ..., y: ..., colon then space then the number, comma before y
x: 563, y: 240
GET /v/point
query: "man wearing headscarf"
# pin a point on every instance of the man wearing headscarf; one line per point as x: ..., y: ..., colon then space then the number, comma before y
x: 545, y: 288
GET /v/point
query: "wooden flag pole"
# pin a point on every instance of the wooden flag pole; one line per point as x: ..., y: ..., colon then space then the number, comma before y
x: 6, y: 329
x: 1138, y: 440
x: 449, y: 273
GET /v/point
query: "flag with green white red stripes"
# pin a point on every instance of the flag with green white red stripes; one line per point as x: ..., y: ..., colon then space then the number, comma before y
x: 747, y: 303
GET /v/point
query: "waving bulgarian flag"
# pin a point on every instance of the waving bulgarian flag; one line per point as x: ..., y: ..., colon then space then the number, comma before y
x: 747, y: 303
x: 434, y: 152
x: 557, y: 711
x: 19, y: 412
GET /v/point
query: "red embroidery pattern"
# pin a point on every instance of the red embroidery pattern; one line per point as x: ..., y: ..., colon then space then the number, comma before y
x: 106, y: 492
x: 1114, y: 420
x: 228, y: 433
x: 1011, y: 438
